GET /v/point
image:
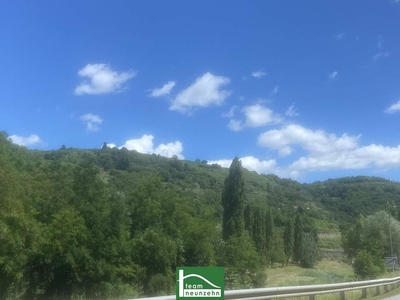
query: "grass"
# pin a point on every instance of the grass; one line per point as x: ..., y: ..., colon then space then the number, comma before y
x: 325, y: 272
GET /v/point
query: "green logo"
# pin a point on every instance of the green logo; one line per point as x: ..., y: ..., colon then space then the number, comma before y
x: 200, y: 282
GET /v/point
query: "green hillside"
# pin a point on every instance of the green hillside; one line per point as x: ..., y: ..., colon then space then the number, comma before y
x: 108, y: 223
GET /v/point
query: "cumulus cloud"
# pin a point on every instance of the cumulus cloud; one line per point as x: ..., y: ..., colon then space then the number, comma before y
x: 145, y: 145
x: 256, y: 116
x: 395, y: 107
x: 316, y: 141
x: 291, y: 111
x: 258, y: 74
x: 204, y: 92
x: 164, y: 90
x: 25, y: 140
x: 101, y: 79
x: 92, y: 122
x: 321, y: 151
x: 333, y: 75
x: 251, y: 163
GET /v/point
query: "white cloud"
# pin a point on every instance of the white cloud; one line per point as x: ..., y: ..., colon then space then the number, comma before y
x: 258, y: 74
x: 92, y: 122
x: 291, y: 111
x: 251, y: 163
x: 205, y: 91
x: 275, y: 90
x: 25, y: 140
x: 164, y: 90
x: 312, y: 141
x: 145, y: 145
x: 111, y: 145
x: 333, y: 75
x: 395, y: 107
x: 230, y: 113
x: 322, y: 152
x: 101, y: 79
x: 380, y: 55
x: 235, y: 125
x: 340, y: 35
x: 258, y: 115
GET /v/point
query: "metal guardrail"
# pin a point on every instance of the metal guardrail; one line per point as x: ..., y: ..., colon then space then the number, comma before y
x: 304, y: 290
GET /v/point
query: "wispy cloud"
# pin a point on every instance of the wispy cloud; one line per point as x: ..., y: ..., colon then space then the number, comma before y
x: 230, y: 113
x: 380, y: 55
x: 340, y: 35
x: 205, y: 91
x: 25, y: 140
x: 275, y: 90
x: 164, y: 90
x: 101, y: 79
x: 380, y: 42
x: 395, y: 107
x: 291, y: 111
x: 258, y: 74
x: 92, y: 122
x: 333, y: 75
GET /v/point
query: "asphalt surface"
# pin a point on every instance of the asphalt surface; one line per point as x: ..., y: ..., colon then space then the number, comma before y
x: 396, y: 297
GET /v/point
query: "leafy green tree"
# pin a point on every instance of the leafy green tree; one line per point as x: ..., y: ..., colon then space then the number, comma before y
x: 297, y: 239
x: 233, y: 201
x: 288, y: 241
x: 243, y: 268
x: 309, y: 251
x: 365, y: 265
x: 259, y: 232
x: 269, y: 230
x: 248, y: 219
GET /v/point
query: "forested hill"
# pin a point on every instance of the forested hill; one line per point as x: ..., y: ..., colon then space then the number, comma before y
x: 333, y: 200
x: 109, y: 223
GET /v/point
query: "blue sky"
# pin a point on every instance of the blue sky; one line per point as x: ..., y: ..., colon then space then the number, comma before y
x: 303, y: 89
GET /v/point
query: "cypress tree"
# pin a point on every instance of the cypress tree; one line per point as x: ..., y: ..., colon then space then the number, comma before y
x: 269, y: 230
x: 248, y: 219
x: 288, y: 240
x: 298, y: 238
x: 259, y: 231
x: 233, y: 201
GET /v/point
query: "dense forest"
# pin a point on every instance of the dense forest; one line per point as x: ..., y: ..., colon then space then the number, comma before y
x: 113, y: 224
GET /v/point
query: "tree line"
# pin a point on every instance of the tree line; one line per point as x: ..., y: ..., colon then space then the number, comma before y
x: 70, y: 229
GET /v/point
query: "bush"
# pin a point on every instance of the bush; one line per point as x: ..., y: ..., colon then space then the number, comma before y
x: 366, y: 266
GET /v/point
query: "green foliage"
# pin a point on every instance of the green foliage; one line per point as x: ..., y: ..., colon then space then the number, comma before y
x: 297, y: 239
x: 233, y: 201
x: 242, y: 262
x: 113, y: 223
x: 366, y: 266
x: 288, y: 240
x: 309, y: 251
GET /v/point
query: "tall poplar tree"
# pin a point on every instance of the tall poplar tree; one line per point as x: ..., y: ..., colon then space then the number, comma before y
x: 233, y: 201
x: 298, y: 238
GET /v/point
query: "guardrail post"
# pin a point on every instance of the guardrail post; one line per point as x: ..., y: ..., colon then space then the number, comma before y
x: 342, y: 295
x: 312, y: 297
x: 385, y: 288
x: 364, y: 293
x: 378, y: 291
